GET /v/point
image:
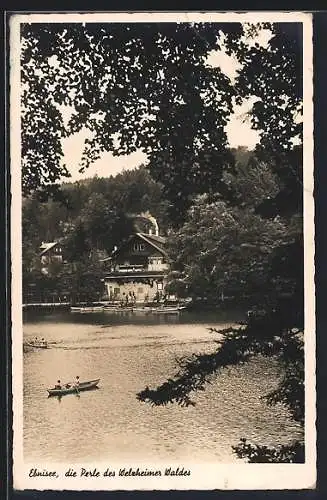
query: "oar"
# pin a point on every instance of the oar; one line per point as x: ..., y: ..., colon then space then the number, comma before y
x: 72, y: 384
x: 76, y: 388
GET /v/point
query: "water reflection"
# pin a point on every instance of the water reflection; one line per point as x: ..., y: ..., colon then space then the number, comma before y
x: 127, y: 354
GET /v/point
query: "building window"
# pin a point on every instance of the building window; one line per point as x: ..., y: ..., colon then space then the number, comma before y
x: 117, y: 291
x: 140, y: 290
x: 138, y: 247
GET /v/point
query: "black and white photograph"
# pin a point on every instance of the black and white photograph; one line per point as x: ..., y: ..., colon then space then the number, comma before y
x: 162, y: 228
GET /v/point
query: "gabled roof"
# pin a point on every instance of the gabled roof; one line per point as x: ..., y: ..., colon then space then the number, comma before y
x: 154, y: 237
x: 157, y: 242
x: 45, y: 247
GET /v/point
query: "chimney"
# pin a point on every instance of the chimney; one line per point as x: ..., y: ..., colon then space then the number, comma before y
x: 155, y: 224
x: 149, y: 217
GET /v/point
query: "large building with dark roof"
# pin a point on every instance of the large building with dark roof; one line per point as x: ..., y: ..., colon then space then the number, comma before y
x: 138, y: 269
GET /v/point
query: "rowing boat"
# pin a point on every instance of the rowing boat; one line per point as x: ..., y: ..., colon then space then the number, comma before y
x: 87, y: 309
x: 121, y: 309
x: 36, y: 345
x: 72, y: 389
x: 167, y: 310
x: 145, y: 309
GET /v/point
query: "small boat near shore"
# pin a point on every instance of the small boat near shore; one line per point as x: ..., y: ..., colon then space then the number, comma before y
x: 36, y: 344
x: 167, y: 310
x: 87, y: 309
x: 70, y: 388
x: 162, y: 309
x: 144, y: 309
x: 159, y: 310
x: 119, y: 309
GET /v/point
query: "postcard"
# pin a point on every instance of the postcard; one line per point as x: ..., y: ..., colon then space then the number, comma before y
x: 162, y: 244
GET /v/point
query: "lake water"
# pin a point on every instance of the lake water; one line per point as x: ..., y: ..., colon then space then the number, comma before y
x: 129, y: 352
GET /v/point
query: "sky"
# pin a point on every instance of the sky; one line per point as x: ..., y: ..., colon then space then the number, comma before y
x: 239, y: 132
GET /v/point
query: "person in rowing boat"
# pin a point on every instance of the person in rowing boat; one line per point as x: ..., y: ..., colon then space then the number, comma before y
x: 76, y: 385
x: 58, y: 385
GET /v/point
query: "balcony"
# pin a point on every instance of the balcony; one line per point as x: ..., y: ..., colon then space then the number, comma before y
x: 134, y: 272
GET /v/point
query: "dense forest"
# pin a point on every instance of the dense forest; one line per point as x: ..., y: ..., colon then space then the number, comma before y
x: 233, y: 227
x: 91, y: 217
x: 97, y: 214
x: 92, y: 214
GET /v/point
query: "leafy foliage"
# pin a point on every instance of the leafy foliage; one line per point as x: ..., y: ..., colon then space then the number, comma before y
x: 277, y: 112
x: 273, y: 74
x: 238, y: 345
x: 73, y: 282
x: 226, y: 249
x: 262, y: 454
x: 97, y: 215
x: 252, y: 181
x: 223, y: 248
x: 147, y: 88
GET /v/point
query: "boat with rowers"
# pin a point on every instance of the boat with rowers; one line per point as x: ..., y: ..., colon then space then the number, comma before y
x: 36, y: 344
x: 71, y: 388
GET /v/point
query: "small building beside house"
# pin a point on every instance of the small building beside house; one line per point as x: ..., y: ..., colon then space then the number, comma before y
x: 50, y: 252
x: 138, y: 269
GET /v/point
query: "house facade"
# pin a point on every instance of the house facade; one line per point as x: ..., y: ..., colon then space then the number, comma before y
x: 137, y: 271
x: 50, y: 252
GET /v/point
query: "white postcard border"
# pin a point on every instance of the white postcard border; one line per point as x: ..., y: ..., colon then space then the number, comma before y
x: 203, y: 476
